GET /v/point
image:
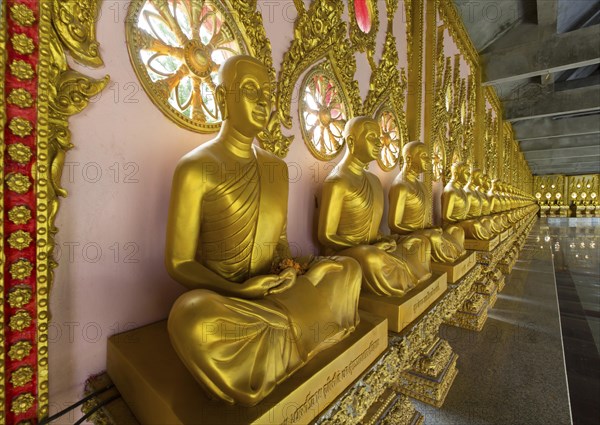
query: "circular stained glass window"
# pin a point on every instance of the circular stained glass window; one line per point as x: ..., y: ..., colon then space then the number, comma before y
x: 322, y: 113
x: 176, y: 48
x: 392, y: 138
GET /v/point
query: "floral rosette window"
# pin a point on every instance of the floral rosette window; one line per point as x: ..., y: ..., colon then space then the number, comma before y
x: 176, y: 48
x: 322, y: 113
x: 392, y: 138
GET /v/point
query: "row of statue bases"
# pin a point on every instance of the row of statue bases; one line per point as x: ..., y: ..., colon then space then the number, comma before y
x: 342, y: 338
x: 580, y: 208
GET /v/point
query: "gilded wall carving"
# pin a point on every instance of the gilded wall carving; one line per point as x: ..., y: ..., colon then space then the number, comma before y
x: 43, y: 92
x: 386, y: 102
x: 319, y: 33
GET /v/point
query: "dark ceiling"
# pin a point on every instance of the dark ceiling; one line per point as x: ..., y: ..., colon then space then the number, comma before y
x: 543, y: 58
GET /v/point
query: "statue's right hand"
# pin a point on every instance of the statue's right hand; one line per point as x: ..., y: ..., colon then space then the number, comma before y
x: 259, y: 286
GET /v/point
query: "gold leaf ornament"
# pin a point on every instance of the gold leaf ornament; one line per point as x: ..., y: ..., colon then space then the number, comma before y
x: 18, y: 182
x: 22, y: 376
x: 19, y: 240
x: 22, y: 15
x: 19, y: 350
x: 20, y: 320
x: 19, y: 296
x: 20, y: 153
x: 19, y: 214
x: 20, y: 127
x: 21, y: 269
x: 22, y: 403
x: 22, y: 70
x: 22, y: 44
x: 20, y: 97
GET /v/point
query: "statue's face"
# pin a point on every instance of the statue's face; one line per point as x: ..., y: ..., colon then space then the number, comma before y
x: 248, y: 99
x: 464, y: 174
x: 477, y: 178
x: 421, y: 158
x: 367, y: 144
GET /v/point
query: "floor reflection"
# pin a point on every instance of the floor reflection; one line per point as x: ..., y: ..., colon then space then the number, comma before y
x: 574, y: 243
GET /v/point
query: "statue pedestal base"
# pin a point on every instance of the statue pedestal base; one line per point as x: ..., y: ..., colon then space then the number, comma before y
x: 393, y: 408
x: 430, y: 379
x: 501, y: 283
x: 504, y: 235
x: 159, y: 389
x: 488, y: 289
x: 472, y: 314
x: 477, y: 245
x: 401, y: 311
x: 455, y: 271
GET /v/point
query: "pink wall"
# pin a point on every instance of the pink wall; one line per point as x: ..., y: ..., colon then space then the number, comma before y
x: 112, y: 226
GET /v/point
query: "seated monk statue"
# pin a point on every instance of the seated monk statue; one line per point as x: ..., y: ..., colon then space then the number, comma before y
x: 486, y: 206
x: 241, y: 328
x: 350, y: 215
x: 409, y: 207
x: 455, y: 202
x: 475, y: 226
x: 497, y: 205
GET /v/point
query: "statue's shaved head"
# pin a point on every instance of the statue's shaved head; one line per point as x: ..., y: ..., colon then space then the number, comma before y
x: 232, y: 67
x: 357, y: 124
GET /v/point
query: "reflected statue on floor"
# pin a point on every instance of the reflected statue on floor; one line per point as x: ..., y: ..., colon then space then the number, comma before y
x: 410, y: 206
x: 350, y: 215
x: 242, y: 329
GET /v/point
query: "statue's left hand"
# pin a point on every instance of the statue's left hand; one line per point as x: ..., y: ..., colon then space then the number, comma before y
x: 387, y: 245
x: 321, y: 268
x: 288, y: 278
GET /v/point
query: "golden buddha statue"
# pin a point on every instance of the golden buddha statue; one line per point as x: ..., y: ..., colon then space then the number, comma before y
x: 241, y: 329
x: 498, y: 205
x: 486, y: 206
x: 409, y: 207
x: 350, y: 215
x: 455, y: 201
x: 476, y: 226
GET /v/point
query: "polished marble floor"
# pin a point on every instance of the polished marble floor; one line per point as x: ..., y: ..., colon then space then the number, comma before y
x: 575, y: 243
x: 513, y: 371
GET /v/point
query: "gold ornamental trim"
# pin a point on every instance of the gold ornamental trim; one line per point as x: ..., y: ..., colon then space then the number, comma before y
x: 22, y: 70
x: 459, y: 33
x: 22, y: 376
x: 19, y: 296
x: 22, y: 15
x: 19, y: 350
x: 3, y: 57
x: 22, y: 44
x: 361, y: 40
x: 387, y: 92
x: 19, y: 214
x: 319, y: 33
x: 20, y: 97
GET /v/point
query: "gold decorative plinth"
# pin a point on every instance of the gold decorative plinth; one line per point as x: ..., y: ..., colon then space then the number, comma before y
x: 477, y: 245
x: 472, y: 315
x: 504, y: 235
x: 455, y: 271
x: 159, y: 389
x: 432, y: 375
x: 488, y: 289
x: 392, y: 408
x: 400, y: 312
x: 506, y: 267
x: 501, y: 283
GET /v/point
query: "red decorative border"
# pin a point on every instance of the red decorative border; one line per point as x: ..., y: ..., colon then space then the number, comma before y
x: 12, y: 199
